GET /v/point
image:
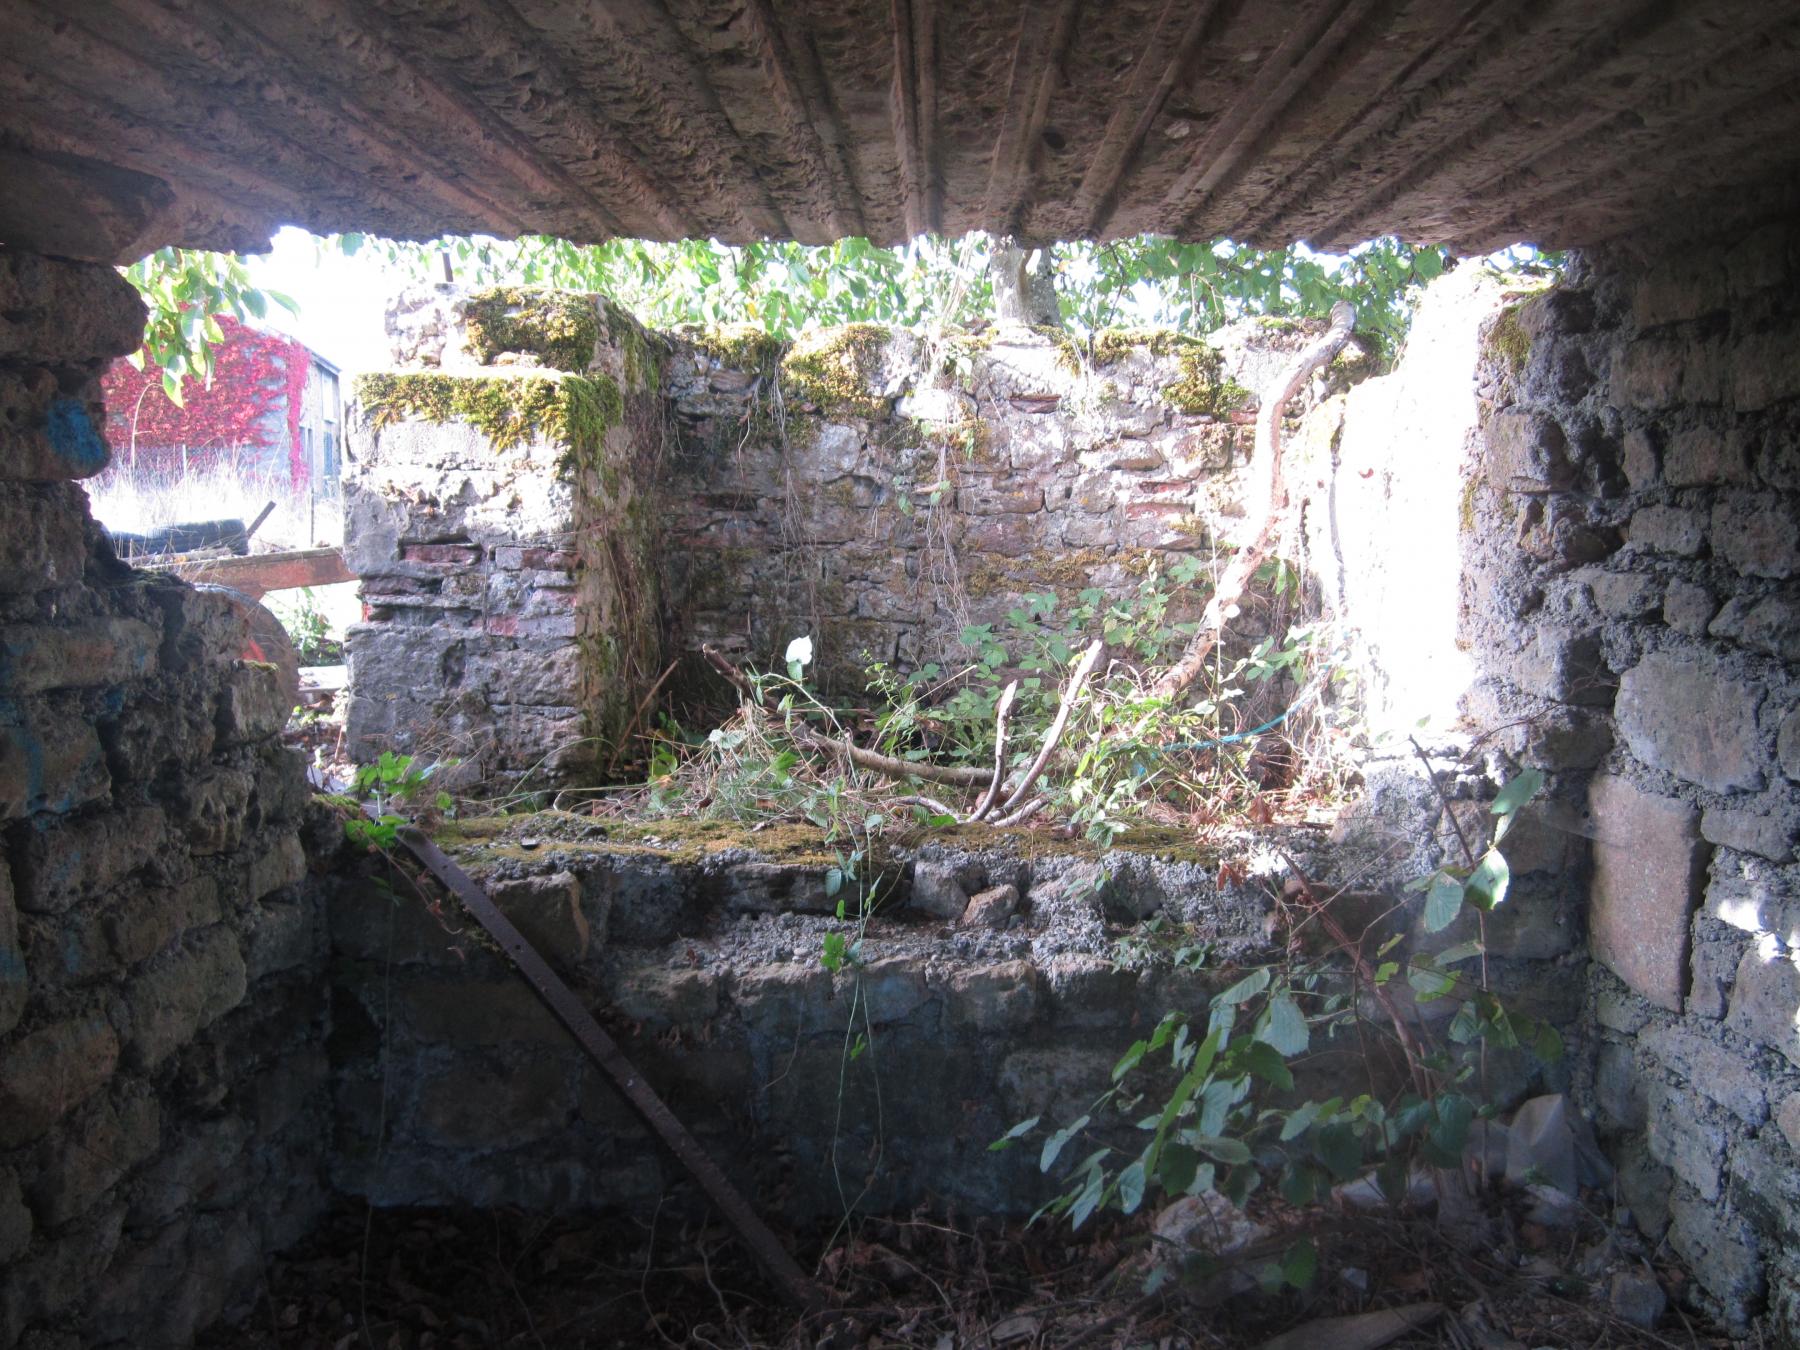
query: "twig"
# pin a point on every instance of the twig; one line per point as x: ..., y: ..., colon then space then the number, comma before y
x: 1269, y: 487
x: 863, y: 759
x: 637, y: 715
x: 1415, y: 1053
x: 1001, y: 732
x: 931, y: 804
x: 1083, y: 668
x: 1024, y: 813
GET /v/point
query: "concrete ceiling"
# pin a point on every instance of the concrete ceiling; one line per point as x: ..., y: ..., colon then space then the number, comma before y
x: 128, y: 124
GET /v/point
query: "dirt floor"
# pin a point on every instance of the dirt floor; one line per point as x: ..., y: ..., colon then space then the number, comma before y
x: 438, y: 1280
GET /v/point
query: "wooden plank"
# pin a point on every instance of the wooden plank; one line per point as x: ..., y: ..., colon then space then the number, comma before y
x: 259, y: 573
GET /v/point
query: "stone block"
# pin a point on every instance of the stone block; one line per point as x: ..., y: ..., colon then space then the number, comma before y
x: 49, y: 1072
x: 1625, y: 595
x: 1763, y: 369
x: 1703, y: 455
x: 1619, y: 1088
x: 50, y: 761
x: 993, y: 999
x: 1765, y: 1188
x: 15, y: 1218
x: 1721, y: 1249
x: 43, y: 544
x: 15, y: 986
x: 1689, y: 1138
x: 938, y: 889
x: 253, y: 705
x: 475, y: 1012
x: 66, y: 313
x: 100, y: 652
x: 1765, y: 1000
x: 662, y: 997
x: 275, y: 862
x: 182, y: 993
x: 61, y: 863
x: 1640, y: 459
x: 1787, y: 1119
x: 151, y: 733
x: 991, y: 908
x: 1527, y: 451
x: 278, y: 936
x: 199, y: 1169
x: 482, y: 1105
x: 1757, y: 536
x: 211, y: 810
x: 139, y: 921
x: 1667, y: 371
x: 1688, y: 607
x: 1714, y: 965
x: 89, y: 1156
x: 1769, y: 623
x: 1648, y: 863
x: 547, y: 912
x: 1766, y: 828
x: 64, y: 1269
x: 1561, y: 664
x: 1685, y: 713
x: 1714, y: 1070
x: 1787, y: 744
x: 1668, y: 529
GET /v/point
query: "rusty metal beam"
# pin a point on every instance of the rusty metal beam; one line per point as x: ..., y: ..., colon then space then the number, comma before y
x: 605, y: 1052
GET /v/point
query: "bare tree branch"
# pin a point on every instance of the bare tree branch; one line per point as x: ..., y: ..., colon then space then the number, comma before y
x: 1271, y: 495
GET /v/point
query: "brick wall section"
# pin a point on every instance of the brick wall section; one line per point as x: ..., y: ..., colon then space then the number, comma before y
x: 1632, y: 586
x: 161, y: 1016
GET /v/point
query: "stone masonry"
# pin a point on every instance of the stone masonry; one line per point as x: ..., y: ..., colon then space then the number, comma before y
x: 528, y: 573
x: 161, y: 1061
x: 1630, y: 593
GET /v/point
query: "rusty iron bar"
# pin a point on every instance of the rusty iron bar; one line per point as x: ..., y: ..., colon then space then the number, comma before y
x: 604, y: 1051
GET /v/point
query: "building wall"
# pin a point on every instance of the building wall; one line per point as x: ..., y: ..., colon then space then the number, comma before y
x: 161, y: 1010
x: 1630, y: 600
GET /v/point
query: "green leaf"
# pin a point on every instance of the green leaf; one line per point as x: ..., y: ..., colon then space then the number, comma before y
x: 1300, y: 1264
x: 1265, y: 1061
x: 1286, y: 1027
x: 1339, y: 1149
x: 1054, y: 1144
x: 1443, y: 902
x: 1089, y: 1198
x: 1016, y: 1133
x: 1488, y: 883
x: 1129, y: 1060
x: 1131, y: 1187
x: 1519, y: 791
x: 1222, y: 1147
x: 1176, y: 1167
x: 832, y: 955
x: 1247, y: 988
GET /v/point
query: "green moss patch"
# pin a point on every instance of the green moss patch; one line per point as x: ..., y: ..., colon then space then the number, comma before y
x: 560, y: 328
x: 511, y: 409
x: 834, y: 369
x: 1508, y: 340
x: 1203, y: 388
x: 741, y: 346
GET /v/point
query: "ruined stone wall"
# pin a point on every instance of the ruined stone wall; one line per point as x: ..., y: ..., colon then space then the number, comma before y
x: 698, y: 946
x: 1629, y: 595
x: 162, y: 1113
x: 879, y: 492
x: 499, y: 510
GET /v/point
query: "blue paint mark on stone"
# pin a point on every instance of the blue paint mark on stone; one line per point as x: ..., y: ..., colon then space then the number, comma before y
x: 75, y: 438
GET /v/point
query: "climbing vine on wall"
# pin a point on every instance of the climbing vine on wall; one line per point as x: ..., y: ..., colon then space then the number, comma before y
x: 254, y: 400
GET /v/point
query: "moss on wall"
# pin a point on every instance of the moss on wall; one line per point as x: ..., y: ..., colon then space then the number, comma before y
x: 560, y: 328
x: 509, y: 409
x: 1507, y: 339
x: 741, y: 346
x: 1203, y: 389
x: 834, y: 369
x: 1109, y: 346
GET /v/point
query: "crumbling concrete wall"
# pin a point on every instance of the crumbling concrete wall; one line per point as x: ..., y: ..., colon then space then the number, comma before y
x: 500, y: 510
x: 162, y: 1119
x: 1629, y: 597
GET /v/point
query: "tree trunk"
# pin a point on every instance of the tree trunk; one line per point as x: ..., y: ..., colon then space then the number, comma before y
x: 1024, y: 280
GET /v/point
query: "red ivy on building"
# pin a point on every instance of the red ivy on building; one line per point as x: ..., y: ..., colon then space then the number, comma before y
x: 255, y: 374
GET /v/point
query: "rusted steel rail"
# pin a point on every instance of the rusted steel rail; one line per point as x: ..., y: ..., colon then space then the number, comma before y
x: 604, y: 1051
